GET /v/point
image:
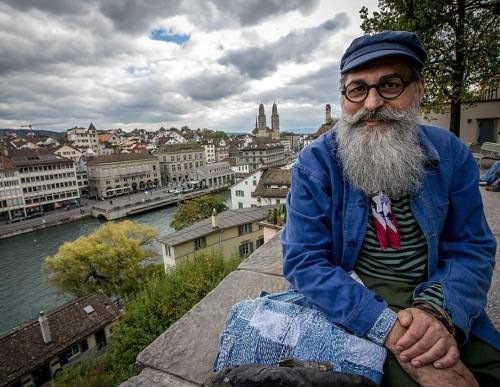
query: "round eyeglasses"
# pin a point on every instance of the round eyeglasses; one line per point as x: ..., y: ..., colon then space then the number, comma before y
x: 387, y: 88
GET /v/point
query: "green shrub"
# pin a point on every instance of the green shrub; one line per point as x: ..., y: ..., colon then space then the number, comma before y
x: 164, y: 298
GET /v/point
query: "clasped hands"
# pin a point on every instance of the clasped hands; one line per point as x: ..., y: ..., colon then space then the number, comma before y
x: 427, y: 351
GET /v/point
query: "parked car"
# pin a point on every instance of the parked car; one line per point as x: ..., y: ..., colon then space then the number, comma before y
x: 15, y: 219
x: 72, y: 205
x: 35, y: 214
x: 178, y: 191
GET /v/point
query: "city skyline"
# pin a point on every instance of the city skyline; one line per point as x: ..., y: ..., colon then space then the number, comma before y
x: 201, y: 64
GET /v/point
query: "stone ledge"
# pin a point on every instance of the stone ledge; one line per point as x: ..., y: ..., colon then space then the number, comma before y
x: 183, y: 355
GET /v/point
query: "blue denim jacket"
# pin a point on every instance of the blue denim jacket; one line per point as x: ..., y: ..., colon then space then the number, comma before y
x: 327, y: 220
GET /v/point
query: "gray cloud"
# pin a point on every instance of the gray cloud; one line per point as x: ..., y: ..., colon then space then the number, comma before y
x: 212, y: 87
x: 59, y: 7
x: 297, y: 46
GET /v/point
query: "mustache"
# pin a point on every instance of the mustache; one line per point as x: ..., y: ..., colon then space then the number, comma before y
x: 385, y: 114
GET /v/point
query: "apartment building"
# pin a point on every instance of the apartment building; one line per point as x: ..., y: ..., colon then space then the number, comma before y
x: 231, y: 233
x: 179, y: 162
x: 209, y: 151
x: 273, y: 186
x: 84, y: 138
x: 48, y: 181
x: 11, y: 191
x: 263, y: 155
x: 121, y: 173
x: 215, y: 175
x: 69, y: 152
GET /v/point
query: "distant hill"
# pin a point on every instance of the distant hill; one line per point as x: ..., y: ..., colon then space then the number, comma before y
x: 38, y: 133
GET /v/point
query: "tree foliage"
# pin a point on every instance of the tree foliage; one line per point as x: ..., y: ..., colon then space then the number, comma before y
x: 163, y: 299
x: 197, y: 209
x: 461, y: 39
x: 108, y: 259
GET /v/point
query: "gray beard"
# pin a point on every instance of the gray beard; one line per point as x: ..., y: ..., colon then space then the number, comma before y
x: 386, y: 157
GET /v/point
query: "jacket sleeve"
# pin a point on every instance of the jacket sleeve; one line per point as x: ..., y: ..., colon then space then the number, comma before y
x: 466, y: 246
x: 310, y: 267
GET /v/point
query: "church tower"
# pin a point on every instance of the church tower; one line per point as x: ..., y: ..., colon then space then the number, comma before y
x: 262, y: 121
x: 275, y: 123
x: 328, y: 118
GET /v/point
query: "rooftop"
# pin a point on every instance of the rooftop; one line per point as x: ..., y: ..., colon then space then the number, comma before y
x: 26, y: 157
x: 22, y: 349
x: 120, y: 157
x: 274, y: 177
x: 229, y: 218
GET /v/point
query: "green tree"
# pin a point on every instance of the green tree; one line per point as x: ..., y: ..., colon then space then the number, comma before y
x: 461, y: 39
x: 197, y: 209
x: 109, y: 259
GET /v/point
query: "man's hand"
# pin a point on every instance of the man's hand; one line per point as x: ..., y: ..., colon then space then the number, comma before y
x: 426, y: 341
x: 427, y: 376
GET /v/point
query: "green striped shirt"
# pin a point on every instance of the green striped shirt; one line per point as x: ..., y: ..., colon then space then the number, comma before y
x: 406, y: 265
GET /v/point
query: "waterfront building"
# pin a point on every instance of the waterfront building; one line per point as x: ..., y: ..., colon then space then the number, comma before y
x: 69, y: 152
x: 263, y: 154
x: 215, y: 175
x: 32, y: 353
x: 11, y: 191
x: 84, y: 138
x: 179, y: 162
x: 121, y: 173
x: 231, y: 233
x: 48, y: 180
x: 261, y: 129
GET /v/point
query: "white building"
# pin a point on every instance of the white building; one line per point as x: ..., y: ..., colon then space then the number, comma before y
x: 84, y: 138
x: 209, y: 151
x: 242, y: 193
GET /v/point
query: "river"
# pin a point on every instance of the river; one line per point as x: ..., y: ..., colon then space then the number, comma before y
x: 23, y: 294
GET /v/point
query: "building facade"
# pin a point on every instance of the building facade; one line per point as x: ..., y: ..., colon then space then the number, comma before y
x: 209, y: 151
x: 263, y: 155
x: 69, y: 153
x: 11, y: 191
x: 231, y: 233
x: 84, y: 138
x: 215, y: 175
x: 123, y: 173
x: 179, y: 162
x: 242, y: 192
x: 48, y: 181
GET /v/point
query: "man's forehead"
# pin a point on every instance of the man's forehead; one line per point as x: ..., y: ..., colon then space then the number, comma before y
x: 380, y: 68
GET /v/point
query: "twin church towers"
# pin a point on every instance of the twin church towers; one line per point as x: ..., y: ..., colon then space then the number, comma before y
x: 261, y: 129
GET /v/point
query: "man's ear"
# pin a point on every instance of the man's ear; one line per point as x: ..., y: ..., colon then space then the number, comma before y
x: 421, y: 87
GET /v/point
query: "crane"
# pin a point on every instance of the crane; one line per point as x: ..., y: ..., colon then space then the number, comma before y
x: 30, y: 133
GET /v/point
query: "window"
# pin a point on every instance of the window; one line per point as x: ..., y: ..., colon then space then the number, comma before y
x: 72, y: 351
x: 260, y: 242
x: 240, y: 193
x: 200, y: 243
x: 240, y: 205
x: 245, y: 228
x: 254, y: 183
x: 246, y: 248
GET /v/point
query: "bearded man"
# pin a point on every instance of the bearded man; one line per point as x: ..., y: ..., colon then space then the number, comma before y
x: 385, y: 216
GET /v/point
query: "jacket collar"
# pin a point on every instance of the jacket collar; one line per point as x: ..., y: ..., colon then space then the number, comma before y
x: 430, y: 151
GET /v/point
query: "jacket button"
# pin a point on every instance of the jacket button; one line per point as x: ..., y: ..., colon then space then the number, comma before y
x: 351, y: 244
x: 378, y: 298
x: 361, y: 204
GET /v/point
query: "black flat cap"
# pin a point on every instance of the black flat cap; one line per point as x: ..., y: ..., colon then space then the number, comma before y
x: 368, y: 48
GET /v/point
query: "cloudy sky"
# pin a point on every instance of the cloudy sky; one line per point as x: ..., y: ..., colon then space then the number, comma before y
x: 152, y: 63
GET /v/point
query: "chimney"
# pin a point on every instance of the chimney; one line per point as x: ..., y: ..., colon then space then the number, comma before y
x: 44, y: 326
x: 259, y: 201
x: 215, y: 220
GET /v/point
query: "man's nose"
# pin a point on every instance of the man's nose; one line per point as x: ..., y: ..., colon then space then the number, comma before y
x: 373, y: 101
